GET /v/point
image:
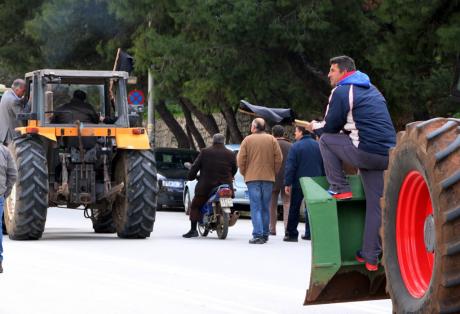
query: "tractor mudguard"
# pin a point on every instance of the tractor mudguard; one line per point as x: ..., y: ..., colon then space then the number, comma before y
x: 336, y: 234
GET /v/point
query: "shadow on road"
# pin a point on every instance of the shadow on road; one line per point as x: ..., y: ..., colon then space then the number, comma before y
x: 69, y: 234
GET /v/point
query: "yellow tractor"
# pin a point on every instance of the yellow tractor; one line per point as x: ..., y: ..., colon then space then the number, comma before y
x: 105, y: 169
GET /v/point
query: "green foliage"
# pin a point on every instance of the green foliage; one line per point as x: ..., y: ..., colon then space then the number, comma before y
x: 269, y: 52
x: 16, y: 48
x: 414, y: 61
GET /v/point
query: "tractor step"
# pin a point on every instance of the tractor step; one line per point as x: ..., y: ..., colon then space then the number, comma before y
x: 336, y: 228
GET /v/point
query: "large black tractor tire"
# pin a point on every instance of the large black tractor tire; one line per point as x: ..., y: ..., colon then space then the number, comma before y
x: 134, y: 211
x: 421, y: 218
x: 26, y: 207
x: 103, y: 222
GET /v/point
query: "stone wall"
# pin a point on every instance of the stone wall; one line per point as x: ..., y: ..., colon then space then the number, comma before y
x: 164, y: 137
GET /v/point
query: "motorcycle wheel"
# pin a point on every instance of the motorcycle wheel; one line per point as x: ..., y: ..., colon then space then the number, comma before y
x: 222, y: 226
x: 203, y: 230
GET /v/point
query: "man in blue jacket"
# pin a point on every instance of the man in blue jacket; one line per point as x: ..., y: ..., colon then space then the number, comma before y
x: 357, y: 129
x: 304, y: 160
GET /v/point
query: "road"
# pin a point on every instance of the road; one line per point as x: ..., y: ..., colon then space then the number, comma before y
x: 73, y: 270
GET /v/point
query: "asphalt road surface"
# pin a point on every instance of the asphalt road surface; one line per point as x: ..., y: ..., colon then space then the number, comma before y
x: 73, y: 270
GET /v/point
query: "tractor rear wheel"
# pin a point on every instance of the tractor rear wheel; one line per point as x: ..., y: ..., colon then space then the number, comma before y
x: 135, y: 210
x: 421, y: 215
x: 27, y: 205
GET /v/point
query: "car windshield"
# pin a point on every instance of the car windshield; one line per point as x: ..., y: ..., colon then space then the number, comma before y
x: 173, y: 160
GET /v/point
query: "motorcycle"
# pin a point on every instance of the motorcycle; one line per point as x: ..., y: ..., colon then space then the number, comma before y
x: 217, y: 214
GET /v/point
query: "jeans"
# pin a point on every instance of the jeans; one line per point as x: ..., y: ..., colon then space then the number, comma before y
x: 260, y: 193
x: 1, y: 233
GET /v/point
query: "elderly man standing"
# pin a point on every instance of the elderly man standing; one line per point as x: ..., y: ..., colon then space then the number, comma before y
x: 8, y: 175
x: 10, y: 105
x: 259, y: 159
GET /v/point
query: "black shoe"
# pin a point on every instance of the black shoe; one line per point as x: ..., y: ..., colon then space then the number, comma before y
x: 191, y: 234
x: 265, y: 238
x: 1, y: 268
x: 289, y: 239
x: 304, y: 237
x: 257, y: 241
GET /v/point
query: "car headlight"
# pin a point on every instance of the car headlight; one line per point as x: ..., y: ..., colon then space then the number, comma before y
x: 173, y: 183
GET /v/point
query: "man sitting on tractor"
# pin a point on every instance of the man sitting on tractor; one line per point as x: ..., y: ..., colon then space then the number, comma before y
x: 75, y: 110
x: 357, y: 129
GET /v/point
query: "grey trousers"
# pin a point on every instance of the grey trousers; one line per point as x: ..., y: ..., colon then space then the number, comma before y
x: 274, y: 209
x: 336, y: 148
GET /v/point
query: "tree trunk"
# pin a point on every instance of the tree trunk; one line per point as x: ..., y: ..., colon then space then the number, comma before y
x: 172, y: 124
x: 206, y: 119
x: 190, y: 125
x: 229, y: 116
x: 190, y: 137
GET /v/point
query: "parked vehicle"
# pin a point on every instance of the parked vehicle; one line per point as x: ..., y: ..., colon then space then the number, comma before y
x: 171, y: 174
x: 217, y: 214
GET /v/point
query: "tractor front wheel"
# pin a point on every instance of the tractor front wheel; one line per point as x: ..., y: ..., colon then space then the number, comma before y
x: 421, y: 213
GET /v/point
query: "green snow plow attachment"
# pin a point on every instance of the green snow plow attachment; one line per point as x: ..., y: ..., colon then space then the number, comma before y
x: 336, y: 233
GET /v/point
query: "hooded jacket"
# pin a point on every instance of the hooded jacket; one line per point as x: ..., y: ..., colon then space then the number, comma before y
x: 357, y: 108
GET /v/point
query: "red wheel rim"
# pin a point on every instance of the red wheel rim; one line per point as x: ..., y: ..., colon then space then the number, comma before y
x: 415, y: 261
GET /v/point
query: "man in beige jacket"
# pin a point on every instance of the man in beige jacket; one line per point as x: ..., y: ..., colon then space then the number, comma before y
x: 259, y: 159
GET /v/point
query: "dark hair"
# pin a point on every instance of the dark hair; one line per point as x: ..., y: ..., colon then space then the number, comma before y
x: 277, y: 131
x: 345, y: 63
x: 218, y: 138
x: 79, y: 94
x: 302, y: 129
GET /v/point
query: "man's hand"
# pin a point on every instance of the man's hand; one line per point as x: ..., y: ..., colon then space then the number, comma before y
x: 287, y: 190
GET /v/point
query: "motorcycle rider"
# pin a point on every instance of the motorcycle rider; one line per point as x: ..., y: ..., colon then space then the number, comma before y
x: 217, y: 165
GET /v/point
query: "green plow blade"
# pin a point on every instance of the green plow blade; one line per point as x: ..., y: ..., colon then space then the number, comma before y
x: 336, y: 234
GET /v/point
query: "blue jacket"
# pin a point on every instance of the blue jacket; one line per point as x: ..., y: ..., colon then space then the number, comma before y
x: 304, y: 160
x: 359, y: 109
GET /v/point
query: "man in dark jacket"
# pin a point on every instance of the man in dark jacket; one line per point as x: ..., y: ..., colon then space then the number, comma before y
x: 278, y: 187
x: 217, y: 165
x: 304, y: 160
x: 8, y: 175
x: 357, y: 129
x: 76, y: 110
